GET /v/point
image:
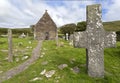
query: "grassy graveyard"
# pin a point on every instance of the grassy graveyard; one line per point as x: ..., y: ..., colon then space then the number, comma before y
x: 22, y: 49
x: 52, y: 57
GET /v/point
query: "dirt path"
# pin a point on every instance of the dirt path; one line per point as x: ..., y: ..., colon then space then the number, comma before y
x: 14, y: 71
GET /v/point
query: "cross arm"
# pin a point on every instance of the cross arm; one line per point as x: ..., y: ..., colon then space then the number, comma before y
x: 79, y: 39
x: 110, y: 39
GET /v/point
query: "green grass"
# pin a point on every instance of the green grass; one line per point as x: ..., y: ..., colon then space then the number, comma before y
x: 63, y: 55
x: 19, y: 50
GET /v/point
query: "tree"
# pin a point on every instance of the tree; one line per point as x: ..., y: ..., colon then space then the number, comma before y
x: 68, y: 28
x: 81, y: 26
x: 118, y: 35
x: 32, y: 28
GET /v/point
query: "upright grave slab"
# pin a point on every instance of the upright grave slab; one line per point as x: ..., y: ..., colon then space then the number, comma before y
x: 67, y: 38
x: 10, y: 55
x: 94, y: 39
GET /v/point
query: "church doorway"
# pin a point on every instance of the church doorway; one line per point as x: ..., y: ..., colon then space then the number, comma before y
x: 47, y: 36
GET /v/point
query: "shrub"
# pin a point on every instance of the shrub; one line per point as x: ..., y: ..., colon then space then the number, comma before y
x: 118, y: 35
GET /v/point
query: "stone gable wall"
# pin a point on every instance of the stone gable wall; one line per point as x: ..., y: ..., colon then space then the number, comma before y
x: 45, y: 26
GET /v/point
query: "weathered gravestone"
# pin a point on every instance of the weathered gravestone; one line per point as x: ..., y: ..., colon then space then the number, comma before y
x: 22, y: 35
x: 57, y: 38
x: 67, y: 36
x: 94, y: 39
x: 71, y: 40
x: 10, y: 55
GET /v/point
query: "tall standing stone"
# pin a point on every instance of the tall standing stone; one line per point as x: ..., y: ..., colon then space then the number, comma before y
x: 94, y: 39
x: 10, y: 55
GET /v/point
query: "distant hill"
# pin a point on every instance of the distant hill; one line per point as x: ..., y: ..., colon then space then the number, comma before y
x: 108, y: 26
x: 15, y: 31
x: 112, y: 26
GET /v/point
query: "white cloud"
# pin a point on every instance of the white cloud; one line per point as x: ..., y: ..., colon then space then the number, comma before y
x: 70, y: 12
x: 19, y: 13
x: 113, y: 11
x: 4, y: 4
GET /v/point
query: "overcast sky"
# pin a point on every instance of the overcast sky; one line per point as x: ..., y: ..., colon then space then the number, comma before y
x: 23, y: 13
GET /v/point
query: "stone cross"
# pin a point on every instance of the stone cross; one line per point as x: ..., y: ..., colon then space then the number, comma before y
x: 10, y: 55
x: 94, y: 39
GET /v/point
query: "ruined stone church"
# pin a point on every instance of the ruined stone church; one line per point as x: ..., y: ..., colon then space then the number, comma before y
x: 45, y: 28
